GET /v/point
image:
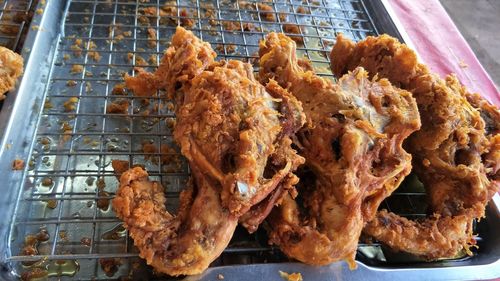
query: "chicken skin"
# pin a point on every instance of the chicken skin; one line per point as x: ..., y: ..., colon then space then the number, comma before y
x: 11, y: 67
x: 455, y: 153
x: 235, y: 134
x: 352, y: 143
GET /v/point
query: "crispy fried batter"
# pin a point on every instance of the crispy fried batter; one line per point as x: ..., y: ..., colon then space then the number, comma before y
x: 171, y: 75
x: 140, y: 203
x: 353, y: 148
x: 455, y: 153
x: 11, y: 67
x: 235, y: 133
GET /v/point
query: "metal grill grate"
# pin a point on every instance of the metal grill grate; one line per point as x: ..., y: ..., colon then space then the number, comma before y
x: 15, y: 17
x: 70, y: 180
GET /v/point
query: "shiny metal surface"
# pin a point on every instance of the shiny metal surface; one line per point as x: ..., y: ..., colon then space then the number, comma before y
x: 68, y: 147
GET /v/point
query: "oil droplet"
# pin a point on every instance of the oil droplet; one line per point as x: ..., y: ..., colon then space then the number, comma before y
x: 115, y: 233
x: 60, y: 268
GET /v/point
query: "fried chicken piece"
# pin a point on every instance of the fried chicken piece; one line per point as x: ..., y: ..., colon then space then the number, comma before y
x: 171, y: 75
x: 206, y: 226
x: 235, y: 134
x: 455, y: 153
x: 11, y: 67
x: 352, y: 145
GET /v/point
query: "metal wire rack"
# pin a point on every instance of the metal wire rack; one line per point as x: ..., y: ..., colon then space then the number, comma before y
x: 64, y: 226
x: 15, y: 17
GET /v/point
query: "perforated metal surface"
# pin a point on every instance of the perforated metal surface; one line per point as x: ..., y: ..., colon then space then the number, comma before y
x: 70, y: 180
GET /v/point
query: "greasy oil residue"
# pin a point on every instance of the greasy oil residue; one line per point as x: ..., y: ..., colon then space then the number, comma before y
x: 32, y: 243
x: 115, y: 233
x: 56, y: 268
x: 60, y: 268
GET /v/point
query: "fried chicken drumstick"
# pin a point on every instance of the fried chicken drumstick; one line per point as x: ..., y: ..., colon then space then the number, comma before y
x: 235, y: 134
x: 455, y: 153
x: 352, y: 144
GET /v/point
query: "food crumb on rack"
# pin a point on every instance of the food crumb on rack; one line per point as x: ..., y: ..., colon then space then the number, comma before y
x: 76, y: 68
x: 110, y: 265
x: 17, y: 164
x: 86, y: 241
x: 39, y: 11
x: 230, y: 48
x: 71, y: 83
x: 152, y: 38
x: 77, y: 47
x: 293, y: 29
x: 302, y: 10
x: 220, y: 277
x: 70, y: 104
x: 462, y: 64
x: 266, y: 12
x: 118, y: 106
x: 35, y: 273
x: 296, y: 276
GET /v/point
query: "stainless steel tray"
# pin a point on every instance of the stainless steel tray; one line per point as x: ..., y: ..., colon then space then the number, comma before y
x: 68, y: 142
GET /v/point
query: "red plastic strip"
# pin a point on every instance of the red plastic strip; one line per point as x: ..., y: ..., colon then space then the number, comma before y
x: 441, y: 46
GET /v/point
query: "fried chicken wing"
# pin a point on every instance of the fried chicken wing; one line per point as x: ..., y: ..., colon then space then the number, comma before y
x: 455, y: 153
x: 235, y: 134
x: 11, y: 67
x: 352, y: 144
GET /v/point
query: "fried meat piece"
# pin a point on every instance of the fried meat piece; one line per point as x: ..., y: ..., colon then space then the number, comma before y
x: 206, y: 226
x: 455, y: 153
x: 11, y: 67
x: 235, y: 134
x: 171, y: 75
x: 352, y: 144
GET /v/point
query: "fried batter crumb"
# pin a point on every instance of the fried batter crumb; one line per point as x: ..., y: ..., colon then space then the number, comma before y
x: 110, y: 266
x: 86, y: 241
x: 266, y: 12
x: 152, y: 38
x: 70, y: 104
x: 118, y: 106
x: 76, y: 68
x: 17, y: 164
x: 293, y: 29
x: 71, y: 83
x: 296, y: 276
x: 302, y: 10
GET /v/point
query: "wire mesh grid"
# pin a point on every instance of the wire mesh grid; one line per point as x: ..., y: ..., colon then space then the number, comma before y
x: 64, y: 224
x: 15, y: 17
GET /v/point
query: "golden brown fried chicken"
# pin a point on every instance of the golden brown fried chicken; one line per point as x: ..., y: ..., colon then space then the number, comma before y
x: 352, y: 145
x: 455, y: 153
x: 235, y: 134
x: 171, y: 75
x: 182, y: 244
x: 11, y: 67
